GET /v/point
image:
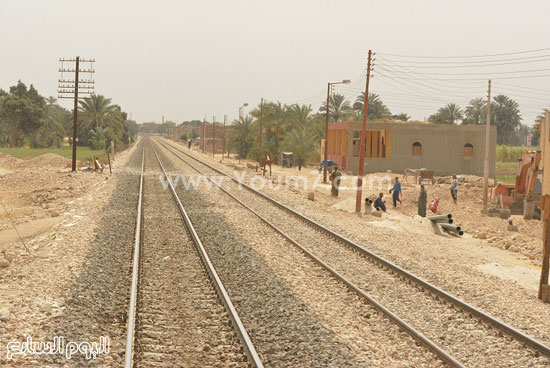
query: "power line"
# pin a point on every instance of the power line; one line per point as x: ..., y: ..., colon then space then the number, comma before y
x: 529, y: 88
x: 463, y: 56
x: 493, y: 73
x: 467, y: 64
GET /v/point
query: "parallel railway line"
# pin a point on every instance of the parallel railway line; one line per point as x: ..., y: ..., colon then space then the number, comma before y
x: 440, y: 321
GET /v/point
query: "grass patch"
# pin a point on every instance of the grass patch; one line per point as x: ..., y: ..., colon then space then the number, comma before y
x: 506, y: 172
x: 82, y: 153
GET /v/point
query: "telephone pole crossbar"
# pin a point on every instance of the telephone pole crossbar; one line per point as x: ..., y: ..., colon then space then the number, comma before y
x: 70, y: 88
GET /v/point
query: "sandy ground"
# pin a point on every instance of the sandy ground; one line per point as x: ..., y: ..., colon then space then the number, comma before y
x: 57, y: 214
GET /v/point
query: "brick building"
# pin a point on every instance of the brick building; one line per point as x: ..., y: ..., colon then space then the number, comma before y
x: 446, y: 149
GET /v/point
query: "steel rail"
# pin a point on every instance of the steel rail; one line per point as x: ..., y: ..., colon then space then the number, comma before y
x: 415, y: 334
x: 519, y: 335
x: 250, y: 350
x: 130, y: 331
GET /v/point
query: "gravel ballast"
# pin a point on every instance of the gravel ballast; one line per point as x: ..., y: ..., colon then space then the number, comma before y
x: 180, y: 322
x: 295, y: 312
x: 470, y: 341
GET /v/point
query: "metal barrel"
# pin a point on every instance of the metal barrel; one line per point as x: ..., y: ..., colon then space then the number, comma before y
x: 452, y: 228
x: 443, y: 221
x: 454, y: 232
x: 440, y: 217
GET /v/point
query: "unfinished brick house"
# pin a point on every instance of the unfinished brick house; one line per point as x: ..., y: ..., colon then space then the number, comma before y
x: 446, y: 149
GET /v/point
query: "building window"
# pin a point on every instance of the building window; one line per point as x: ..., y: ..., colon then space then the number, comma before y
x: 468, y: 150
x: 356, y: 143
x: 417, y: 149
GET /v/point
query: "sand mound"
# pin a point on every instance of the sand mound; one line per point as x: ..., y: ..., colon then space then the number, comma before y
x: 7, y: 161
x: 49, y: 160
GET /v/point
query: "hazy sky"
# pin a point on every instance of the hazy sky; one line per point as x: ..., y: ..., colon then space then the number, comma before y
x: 187, y: 59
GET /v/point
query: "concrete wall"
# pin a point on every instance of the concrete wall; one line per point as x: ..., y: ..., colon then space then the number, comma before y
x: 442, y: 149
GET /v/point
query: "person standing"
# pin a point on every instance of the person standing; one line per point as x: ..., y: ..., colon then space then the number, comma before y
x: 396, y: 192
x: 454, y: 189
x: 422, y: 201
x: 335, y: 179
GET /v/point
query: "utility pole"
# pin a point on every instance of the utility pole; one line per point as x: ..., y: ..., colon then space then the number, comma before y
x: 487, y: 143
x: 544, y: 288
x: 345, y: 81
x: 361, y: 170
x: 68, y: 88
x: 224, y: 123
x: 203, y: 139
x: 261, y: 120
x: 213, y: 135
x: 325, y: 159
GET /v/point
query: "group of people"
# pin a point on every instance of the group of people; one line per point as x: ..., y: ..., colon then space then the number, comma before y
x: 397, y: 192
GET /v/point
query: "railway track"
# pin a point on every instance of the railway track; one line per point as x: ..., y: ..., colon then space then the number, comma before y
x: 458, y: 332
x: 179, y: 312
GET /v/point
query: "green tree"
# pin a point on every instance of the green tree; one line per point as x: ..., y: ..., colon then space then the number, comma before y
x: 97, y: 139
x: 240, y: 136
x: 339, y: 108
x: 402, y: 117
x: 506, y: 116
x: 475, y: 112
x: 21, y: 112
x: 448, y: 114
x: 377, y: 109
x: 274, y: 123
x: 97, y: 111
x: 300, y: 141
x: 300, y: 116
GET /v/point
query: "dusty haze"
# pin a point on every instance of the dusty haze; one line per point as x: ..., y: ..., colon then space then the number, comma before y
x: 187, y: 59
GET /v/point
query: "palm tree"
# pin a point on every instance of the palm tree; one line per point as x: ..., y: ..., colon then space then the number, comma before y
x: 507, y: 118
x: 377, y: 109
x: 448, y: 114
x: 241, y: 136
x: 273, y: 123
x: 301, y: 142
x: 475, y: 111
x: 402, y: 116
x: 300, y: 115
x: 338, y: 109
x: 97, y: 111
x: 51, y: 101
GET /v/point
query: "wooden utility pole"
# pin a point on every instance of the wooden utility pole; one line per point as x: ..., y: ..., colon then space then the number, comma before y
x: 544, y: 288
x: 361, y: 170
x: 487, y: 144
x: 213, y: 135
x: 203, y: 144
x: 261, y: 120
x: 224, y: 123
x: 70, y: 88
x: 75, y: 112
x: 325, y: 159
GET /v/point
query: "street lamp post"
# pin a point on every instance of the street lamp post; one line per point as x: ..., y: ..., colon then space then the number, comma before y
x: 325, y: 159
x: 241, y: 110
x: 240, y: 118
